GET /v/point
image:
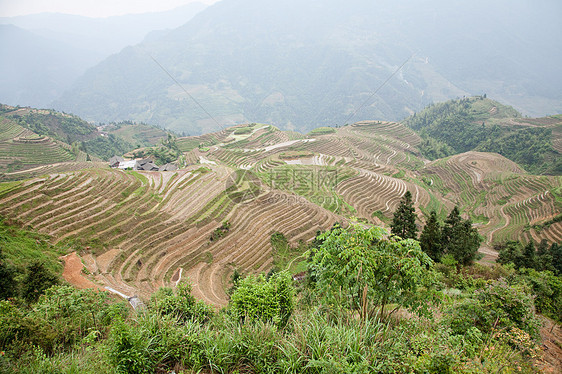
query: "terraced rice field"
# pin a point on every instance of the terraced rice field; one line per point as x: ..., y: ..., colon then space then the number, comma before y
x: 144, y: 227
x: 495, y: 193
x: 137, y: 231
x: 22, y: 149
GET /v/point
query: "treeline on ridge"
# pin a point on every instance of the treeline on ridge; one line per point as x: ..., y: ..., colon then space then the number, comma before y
x: 474, y: 124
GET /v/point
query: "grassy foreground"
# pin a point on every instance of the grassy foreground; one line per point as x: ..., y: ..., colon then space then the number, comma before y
x: 444, y: 319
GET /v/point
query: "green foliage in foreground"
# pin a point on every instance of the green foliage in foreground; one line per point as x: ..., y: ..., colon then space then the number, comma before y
x: 180, y: 304
x: 540, y: 269
x: 20, y: 247
x: 61, y: 318
x: 311, y: 342
x: 28, y: 263
x: 487, y: 326
x: 360, y: 269
x: 267, y: 300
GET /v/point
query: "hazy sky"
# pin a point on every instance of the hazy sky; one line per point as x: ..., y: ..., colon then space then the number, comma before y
x: 90, y: 8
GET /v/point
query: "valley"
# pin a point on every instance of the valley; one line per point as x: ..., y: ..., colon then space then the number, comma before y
x: 136, y: 231
x: 262, y: 186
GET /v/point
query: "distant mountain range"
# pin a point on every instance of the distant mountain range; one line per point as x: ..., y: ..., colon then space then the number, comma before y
x: 43, y: 54
x: 103, y: 35
x: 299, y: 65
x: 36, y: 70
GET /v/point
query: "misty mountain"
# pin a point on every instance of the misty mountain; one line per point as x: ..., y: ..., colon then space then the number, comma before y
x: 35, y: 69
x: 42, y: 54
x: 303, y: 64
x: 107, y: 35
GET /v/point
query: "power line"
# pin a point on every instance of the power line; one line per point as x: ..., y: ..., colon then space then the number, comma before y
x: 184, y: 90
x: 378, y: 89
x: 222, y: 127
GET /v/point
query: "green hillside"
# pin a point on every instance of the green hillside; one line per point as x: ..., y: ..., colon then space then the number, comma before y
x: 480, y: 124
x: 21, y: 148
x: 195, y: 245
x: 61, y: 126
x: 137, y: 134
x: 78, y: 139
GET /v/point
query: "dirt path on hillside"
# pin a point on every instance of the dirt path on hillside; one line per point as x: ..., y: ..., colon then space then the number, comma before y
x: 72, y: 272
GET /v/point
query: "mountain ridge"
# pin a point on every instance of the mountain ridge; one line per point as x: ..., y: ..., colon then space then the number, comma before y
x: 245, y: 61
x: 45, y: 53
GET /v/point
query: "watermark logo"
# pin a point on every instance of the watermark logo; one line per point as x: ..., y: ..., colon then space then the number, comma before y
x: 301, y: 186
x: 243, y: 186
x: 304, y: 181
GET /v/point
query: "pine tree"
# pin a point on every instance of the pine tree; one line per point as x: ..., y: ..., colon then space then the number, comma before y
x: 556, y: 253
x: 37, y: 279
x: 459, y: 238
x: 470, y: 243
x: 450, y: 231
x: 430, y: 238
x: 544, y: 259
x: 509, y: 252
x: 404, y: 221
x: 529, y: 255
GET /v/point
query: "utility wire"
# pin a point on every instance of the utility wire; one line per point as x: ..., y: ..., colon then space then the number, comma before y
x: 378, y: 89
x: 184, y: 90
x: 222, y: 127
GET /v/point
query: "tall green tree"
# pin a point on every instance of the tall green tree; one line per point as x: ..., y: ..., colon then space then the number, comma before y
x: 459, y: 238
x: 361, y: 269
x: 529, y: 255
x: 430, y: 238
x: 510, y: 252
x: 36, y: 281
x: 404, y: 221
x: 556, y: 253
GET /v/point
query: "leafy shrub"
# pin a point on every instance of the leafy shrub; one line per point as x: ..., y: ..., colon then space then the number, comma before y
x: 180, y: 304
x: 8, y: 284
x: 157, y: 341
x: 37, y: 279
x: 132, y: 349
x: 497, y: 306
x: 547, y: 289
x: 361, y: 269
x: 261, y: 299
x: 62, y: 317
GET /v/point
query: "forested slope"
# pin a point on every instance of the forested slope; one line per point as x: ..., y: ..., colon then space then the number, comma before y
x: 481, y: 124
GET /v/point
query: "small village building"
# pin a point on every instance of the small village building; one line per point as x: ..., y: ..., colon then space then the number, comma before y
x: 130, y: 164
x: 149, y: 166
x: 140, y: 165
x: 115, y: 160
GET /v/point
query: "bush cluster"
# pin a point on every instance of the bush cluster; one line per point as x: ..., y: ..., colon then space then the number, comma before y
x: 487, y: 324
